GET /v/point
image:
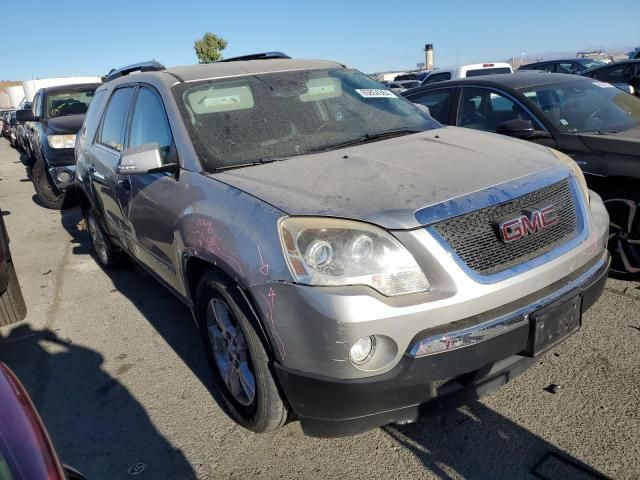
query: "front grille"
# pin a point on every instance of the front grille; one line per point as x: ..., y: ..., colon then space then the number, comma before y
x: 476, y: 240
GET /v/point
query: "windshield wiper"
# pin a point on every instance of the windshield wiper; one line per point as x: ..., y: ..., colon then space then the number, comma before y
x: 370, y: 137
x: 260, y: 161
x: 602, y: 132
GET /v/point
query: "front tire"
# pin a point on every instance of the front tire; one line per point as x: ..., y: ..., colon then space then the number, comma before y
x: 623, y: 205
x: 237, y: 357
x: 48, y: 194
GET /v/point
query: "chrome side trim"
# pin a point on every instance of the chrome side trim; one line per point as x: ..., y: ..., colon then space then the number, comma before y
x: 484, y: 331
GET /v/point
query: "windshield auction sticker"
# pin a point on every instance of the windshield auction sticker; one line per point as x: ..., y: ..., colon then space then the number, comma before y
x: 375, y: 93
x: 603, y: 85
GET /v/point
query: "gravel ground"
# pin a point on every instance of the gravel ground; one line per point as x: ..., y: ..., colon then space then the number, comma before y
x: 113, y: 363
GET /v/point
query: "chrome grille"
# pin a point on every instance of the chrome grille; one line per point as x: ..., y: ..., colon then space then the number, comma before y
x: 476, y: 240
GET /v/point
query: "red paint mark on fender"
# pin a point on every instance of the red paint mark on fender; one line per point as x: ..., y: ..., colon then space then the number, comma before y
x: 269, y: 299
x: 264, y: 267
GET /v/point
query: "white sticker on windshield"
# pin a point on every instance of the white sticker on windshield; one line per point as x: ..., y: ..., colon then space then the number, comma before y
x: 603, y: 85
x: 564, y: 122
x: 219, y: 101
x: 375, y: 93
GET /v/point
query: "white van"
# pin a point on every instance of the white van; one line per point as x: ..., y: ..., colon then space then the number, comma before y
x: 464, y: 71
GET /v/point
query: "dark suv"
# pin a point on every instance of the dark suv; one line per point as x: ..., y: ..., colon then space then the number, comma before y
x: 56, y: 116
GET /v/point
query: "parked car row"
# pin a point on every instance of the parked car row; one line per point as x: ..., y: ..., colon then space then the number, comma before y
x: 348, y: 261
x: 624, y: 74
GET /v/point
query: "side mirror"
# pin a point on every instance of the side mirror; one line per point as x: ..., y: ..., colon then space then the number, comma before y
x: 25, y: 116
x: 423, y: 108
x: 516, y: 128
x: 140, y: 160
x: 147, y: 158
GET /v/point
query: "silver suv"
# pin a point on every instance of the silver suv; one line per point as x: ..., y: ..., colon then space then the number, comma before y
x: 348, y: 261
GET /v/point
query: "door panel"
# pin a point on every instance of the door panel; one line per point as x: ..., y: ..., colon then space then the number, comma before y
x: 148, y: 201
x: 106, y: 155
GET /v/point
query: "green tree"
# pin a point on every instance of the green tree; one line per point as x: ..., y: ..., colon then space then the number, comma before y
x: 209, y: 48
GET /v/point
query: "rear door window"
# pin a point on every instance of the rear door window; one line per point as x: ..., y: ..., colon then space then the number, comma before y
x: 438, y: 77
x: 487, y: 71
x: 115, y: 119
x: 438, y: 102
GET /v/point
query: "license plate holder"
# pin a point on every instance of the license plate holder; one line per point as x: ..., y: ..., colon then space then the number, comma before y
x: 552, y: 324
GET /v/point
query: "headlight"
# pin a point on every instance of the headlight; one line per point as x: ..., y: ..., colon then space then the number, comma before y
x: 62, y: 141
x: 332, y: 252
x: 575, y: 171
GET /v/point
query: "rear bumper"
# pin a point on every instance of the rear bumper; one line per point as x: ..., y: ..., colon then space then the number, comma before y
x: 416, y: 386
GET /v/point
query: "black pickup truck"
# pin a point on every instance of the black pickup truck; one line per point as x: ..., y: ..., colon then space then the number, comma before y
x: 12, y: 306
x: 56, y: 116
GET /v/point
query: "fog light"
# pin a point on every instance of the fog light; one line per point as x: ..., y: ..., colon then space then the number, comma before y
x: 64, y: 176
x: 362, y: 350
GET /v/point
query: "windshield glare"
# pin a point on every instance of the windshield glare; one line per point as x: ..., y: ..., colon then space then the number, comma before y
x: 60, y: 104
x: 586, y: 106
x: 260, y: 117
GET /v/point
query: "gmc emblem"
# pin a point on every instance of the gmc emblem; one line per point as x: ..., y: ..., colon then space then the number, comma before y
x: 524, y: 225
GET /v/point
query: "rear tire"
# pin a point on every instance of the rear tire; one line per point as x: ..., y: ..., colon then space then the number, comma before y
x: 12, y: 305
x: 623, y: 205
x: 48, y: 194
x: 106, y: 253
x: 264, y: 410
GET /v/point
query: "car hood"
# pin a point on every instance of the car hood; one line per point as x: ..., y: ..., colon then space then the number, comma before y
x: 66, y: 124
x: 623, y: 143
x: 385, y: 182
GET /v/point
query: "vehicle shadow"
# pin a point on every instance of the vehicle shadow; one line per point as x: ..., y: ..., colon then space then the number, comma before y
x: 96, y: 425
x: 164, y: 312
x: 475, y: 442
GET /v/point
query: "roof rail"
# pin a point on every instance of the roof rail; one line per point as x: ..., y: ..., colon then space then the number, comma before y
x: 150, y: 66
x: 257, y: 56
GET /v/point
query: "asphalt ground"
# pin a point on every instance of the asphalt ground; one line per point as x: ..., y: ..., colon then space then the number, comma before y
x: 114, y: 365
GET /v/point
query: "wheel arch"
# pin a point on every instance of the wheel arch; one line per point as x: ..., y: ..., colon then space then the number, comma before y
x: 195, y: 267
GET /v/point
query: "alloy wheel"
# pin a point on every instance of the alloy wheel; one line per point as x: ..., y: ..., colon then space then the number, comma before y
x: 624, y: 236
x: 230, y: 352
x: 97, y: 238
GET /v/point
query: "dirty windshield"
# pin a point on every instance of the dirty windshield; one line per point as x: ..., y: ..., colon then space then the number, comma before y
x: 60, y: 104
x: 586, y: 106
x: 259, y: 118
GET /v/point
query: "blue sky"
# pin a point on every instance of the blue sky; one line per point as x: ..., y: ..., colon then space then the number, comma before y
x: 68, y: 38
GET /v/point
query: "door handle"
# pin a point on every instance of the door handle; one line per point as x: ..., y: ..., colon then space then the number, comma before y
x: 125, y: 184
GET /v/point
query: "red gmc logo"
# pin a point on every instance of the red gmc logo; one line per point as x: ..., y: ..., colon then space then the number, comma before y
x: 524, y: 225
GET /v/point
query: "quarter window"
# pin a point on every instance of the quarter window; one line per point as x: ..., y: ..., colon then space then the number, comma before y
x: 115, y: 119
x: 483, y: 109
x: 438, y: 102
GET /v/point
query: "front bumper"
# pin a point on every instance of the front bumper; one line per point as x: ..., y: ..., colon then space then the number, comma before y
x: 416, y: 386
x: 63, y: 176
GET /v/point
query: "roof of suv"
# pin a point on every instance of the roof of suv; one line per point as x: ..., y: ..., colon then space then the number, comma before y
x: 191, y: 73
x: 521, y: 79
